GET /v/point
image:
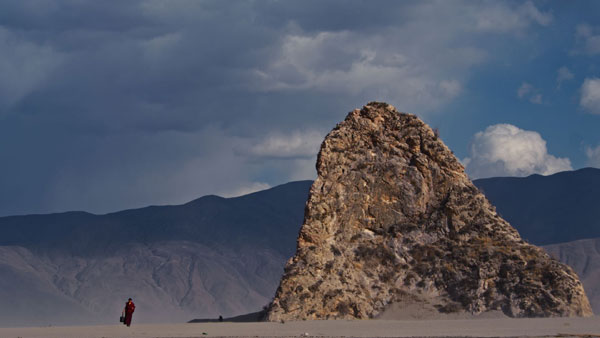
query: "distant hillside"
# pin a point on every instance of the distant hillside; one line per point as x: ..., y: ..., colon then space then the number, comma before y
x: 212, y: 256
x: 172, y: 281
x: 584, y: 257
x: 548, y: 209
x: 269, y: 218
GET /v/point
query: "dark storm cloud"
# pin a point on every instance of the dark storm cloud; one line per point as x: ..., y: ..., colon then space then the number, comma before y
x: 126, y: 104
x: 140, y: 58
x: 108, y: 104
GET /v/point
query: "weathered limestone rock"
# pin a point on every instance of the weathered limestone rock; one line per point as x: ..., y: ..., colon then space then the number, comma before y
x: 392, y: 214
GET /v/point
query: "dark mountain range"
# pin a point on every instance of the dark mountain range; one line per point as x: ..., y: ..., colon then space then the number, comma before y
x: 219, y: 256
x: 548, y: 209
x: 545, y: 210
x: 269, y: 218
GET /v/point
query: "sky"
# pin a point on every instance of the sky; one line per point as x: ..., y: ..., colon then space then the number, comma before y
x: 109, y: 105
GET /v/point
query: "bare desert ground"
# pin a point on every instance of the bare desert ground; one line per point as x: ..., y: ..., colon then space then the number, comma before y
x: 497, y: 327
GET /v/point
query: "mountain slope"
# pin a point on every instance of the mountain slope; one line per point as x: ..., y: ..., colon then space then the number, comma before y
x: 169, y: 281
x: 584, y: 257
x: 269, y: 217
x: 548, y: 209
x: 212, y: 256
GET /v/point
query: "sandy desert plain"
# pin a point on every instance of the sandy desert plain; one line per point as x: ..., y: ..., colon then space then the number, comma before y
x: 482, y: 327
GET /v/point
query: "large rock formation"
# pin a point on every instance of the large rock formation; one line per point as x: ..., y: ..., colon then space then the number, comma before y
x: 393, y: 216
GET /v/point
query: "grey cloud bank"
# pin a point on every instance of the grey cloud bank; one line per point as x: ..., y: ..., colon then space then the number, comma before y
x: 107, y: 106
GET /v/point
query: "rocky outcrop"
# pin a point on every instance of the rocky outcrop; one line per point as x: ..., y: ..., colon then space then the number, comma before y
x: 392, y: 215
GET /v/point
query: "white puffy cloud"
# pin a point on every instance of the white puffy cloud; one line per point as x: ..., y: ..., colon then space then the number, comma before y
x: 588, y: 38
x: 526, y: 90
x: 497, y: 17
x: 593, y: 156
x: 363, y: 66
x: 506, y: 150
x: 590, y: 95
x: 563, y: 74
x: 537, y: 99
x: 529, y: 11
x: 298, y: 144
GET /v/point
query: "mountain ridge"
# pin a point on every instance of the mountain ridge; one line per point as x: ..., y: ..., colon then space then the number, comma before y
x: 43, y: 282
x: 195, y: 219
x: 564, y: 204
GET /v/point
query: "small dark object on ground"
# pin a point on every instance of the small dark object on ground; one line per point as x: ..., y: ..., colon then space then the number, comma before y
x: 247, y: 318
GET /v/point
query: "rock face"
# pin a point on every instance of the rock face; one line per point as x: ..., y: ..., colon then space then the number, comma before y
x: 392, y: 216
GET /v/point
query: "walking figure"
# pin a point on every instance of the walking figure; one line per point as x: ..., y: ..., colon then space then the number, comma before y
x: 128, y: 310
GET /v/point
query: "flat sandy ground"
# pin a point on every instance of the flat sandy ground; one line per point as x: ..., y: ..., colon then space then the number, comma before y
x: 546, y: 327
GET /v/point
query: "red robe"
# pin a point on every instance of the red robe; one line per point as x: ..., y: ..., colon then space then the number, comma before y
x: 129, y: 308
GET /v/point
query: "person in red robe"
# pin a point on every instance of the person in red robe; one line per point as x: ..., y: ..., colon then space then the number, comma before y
x: 129, y: 308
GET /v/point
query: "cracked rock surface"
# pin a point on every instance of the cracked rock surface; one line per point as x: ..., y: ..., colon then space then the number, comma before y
x: 393, y: 216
